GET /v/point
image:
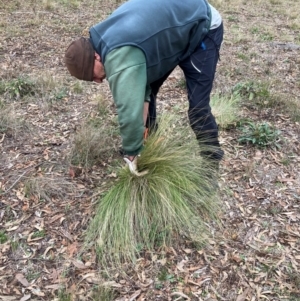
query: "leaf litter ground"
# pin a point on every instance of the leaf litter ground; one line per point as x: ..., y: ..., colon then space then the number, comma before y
x: 46, y: 205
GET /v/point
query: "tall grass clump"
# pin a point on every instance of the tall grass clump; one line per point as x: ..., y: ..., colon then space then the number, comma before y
x: 92, y: 143
x: 177, y: 198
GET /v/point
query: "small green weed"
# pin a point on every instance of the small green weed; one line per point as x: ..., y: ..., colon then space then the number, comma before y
x: 286, y: 160
x: 70, y: 3
x: 261, y: 135
x: 274, y: 210
x: 38, y: 234
x: 103, y: 105
x: 67, y: 208
x: 162, y: 276
x: 3, y: 237
x: 294, y: 297
x: 275, y: 2
x: 165, y: 276
x: 18, y: 88
x: 2, y: 87
x: 232, y: 19
x: 95, y: 122
x: 257, y: 93
x: 61, y: 94
x: 14, y: 245
x: 251, y: 90
x: 103, y: 293
x: 254, y: 30
x: 269, y: 269
x: 266, y: 225
x: 266, y: 36
x: 243, y: 57
x: 181, y: 84
x: 32, y: 276
x: 63, y: 295
x: 158, y: 285
x: 77, y: 87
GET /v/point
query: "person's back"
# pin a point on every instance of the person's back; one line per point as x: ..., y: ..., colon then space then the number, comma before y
x: 167, y: 31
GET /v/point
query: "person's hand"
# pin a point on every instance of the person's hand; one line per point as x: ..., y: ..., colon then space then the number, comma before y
x: 132, y: 164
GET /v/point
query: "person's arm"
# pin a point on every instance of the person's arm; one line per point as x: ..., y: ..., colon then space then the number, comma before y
x: 126, y: 73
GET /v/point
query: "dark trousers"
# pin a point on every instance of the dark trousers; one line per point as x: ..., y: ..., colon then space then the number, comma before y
x: 199, y: 71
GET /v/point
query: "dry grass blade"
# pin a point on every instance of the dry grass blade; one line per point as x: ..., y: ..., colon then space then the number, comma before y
x: 176, y: 197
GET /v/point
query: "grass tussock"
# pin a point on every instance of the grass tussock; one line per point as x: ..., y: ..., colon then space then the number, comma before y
x: 177, y: 197
x: 103, y: 293
x: 92, y: 143
x: 10, y: 124
x: 18, y: 87
x: 46, y: 188
x: 225, y: 109
x: 293, y: 108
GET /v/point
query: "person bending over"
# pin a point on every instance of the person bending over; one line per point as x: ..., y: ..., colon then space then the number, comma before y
x: 136, y: 48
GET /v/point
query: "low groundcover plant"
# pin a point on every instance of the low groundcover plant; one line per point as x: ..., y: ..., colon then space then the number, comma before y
x: 260, y: 134
x: 176, y: 198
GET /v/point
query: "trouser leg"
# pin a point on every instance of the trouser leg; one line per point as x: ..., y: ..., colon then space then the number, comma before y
x: 199, y: 70
x: 155, y: 86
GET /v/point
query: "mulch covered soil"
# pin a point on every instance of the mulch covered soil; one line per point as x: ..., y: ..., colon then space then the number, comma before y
x: 45, y: 205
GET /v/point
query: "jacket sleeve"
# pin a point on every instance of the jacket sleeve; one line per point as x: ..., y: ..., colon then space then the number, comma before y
x: 126, y: 73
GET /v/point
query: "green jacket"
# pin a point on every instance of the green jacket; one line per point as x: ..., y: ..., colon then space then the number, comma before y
x: 126, y: 73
